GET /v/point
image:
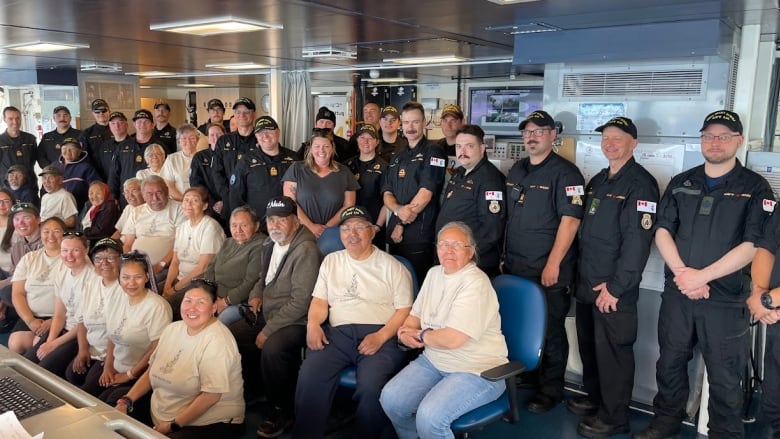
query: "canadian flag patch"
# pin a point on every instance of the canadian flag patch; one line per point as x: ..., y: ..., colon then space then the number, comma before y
x: 645, y: 206
x: 574, y: 190
x: 435, y: 161
x: 769, y: 205
x: 494, y: 195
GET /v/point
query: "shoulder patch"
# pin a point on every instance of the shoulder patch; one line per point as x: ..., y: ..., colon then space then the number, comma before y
x: 769, y: 205
x: 574, y: 190
x: 645, y: 206
x: 494, y: 195
x: 435, y: 161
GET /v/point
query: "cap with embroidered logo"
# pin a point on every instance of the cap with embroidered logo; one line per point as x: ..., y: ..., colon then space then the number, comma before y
x: 99, y: 104
x: 452, y: 110
x: 280, y: 206
x: 51, y: 169
x: 623, y: 123
x: 71, y: 141
x: 389, y: 109
x: 325, y: 113
x: 118, y: 114
x: 142, y: 114
x: 215, y: 103
x: 540, y: 118
x: 263, y: 123
x: 248, y: 103
x: 726, y: 118
x: 367, y: 128
x: 59, y: 108
x: 355, y: 212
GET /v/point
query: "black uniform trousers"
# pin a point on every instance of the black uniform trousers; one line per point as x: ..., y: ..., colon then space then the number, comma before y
x: 278, y: 362
x: 721, y: 331
x: 770, y: 400
x: 606, y: 346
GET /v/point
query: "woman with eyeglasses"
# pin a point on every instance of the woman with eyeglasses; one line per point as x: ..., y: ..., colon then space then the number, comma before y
x: 101, y: 291
x: 236, y: 266
x: 176, y: 170
x: 455, y: 321
x: 21, y: 236
x: 194, y: 374
x: 33, y: 288
x: 321, y: 186
x: 54, y: 351
x: 154, y: 156
x: 133, y: 325
x: 100, y: 214
x: 197, y: 241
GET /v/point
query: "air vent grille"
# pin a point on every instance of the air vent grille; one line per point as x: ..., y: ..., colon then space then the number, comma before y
x: 683, y: 83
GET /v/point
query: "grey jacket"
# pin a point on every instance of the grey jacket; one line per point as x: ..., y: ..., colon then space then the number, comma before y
x: 286, y: 298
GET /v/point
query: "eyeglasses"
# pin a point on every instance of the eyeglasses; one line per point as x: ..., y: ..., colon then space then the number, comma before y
x: 21, y: 206
x: 722, y: 137
x: 101, y: 259
x: 100, y: 111
x: 9, y: 201
x: 445, y: 245
x: 537, y: 132
x: 357, y: 228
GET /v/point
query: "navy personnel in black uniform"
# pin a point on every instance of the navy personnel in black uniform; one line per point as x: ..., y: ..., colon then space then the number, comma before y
x: 163, y: 131
x: 544, y: 206
x: 708, y: 222
x: 327, y: 119
x: 371, y: 112
x: 51, y: 142
x: 369, y: 170
x: 258, y: 174
x: 412, y: 186
x: 127, y: 159
x: 230, y: 146
x: 216, y: 111
x: 451, y: 121
x: 475, y: 196
x: 200, y: 168
x: 95, y: 139
x: 390, y: 140
x: 614, y: 242
x: 17, y: 147
x: 144, y: 129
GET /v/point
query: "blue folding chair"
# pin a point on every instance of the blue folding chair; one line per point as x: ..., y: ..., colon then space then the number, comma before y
x: 330, y: 241
x: 523, y: 323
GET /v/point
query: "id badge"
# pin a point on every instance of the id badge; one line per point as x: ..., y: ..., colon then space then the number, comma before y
x: 594, y: 206
x: 705, y: 208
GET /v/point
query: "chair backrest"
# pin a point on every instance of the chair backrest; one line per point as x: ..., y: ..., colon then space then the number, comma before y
x: 523, y: 318
x: 410, y: 267
x: 330, y: 241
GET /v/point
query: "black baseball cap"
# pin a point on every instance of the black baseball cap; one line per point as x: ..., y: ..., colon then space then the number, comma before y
x: 105, y: 243
x: 162, y: 104
x: 263, y: 123
x: 142, y: 114
x: 355, y: 212
x: 367, y: 128
x: 118, y: 114
x: 452, y: 110
x: 248, y: 103
x: 59, y: 108
x: 389, y: 109
x: 281, y: 206
x: 71, y: 141
x: 623, y: 123
x: 726, y: 118
x: 99, y: 104
x: 539, y: 118
x: 215, y: 103
x: 325, y: 113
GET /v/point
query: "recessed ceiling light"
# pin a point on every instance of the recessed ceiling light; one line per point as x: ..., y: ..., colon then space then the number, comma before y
x: 214, y: 26
x: 511, y: 2
x: 427, y: 59
x: 150, y: 73
x: 238, y: 66
x: 45, y: 46
x: 195, y: 85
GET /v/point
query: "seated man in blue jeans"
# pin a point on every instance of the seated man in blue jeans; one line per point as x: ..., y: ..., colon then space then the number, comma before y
x: 365, y: 295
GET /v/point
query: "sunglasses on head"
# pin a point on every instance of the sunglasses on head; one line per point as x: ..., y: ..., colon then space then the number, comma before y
x: 21, y: 206
x: 133, y: 256
x: 204, y: 281
x: 76, y: 234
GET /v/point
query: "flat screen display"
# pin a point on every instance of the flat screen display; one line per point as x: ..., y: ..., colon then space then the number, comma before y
x: 500, y: 110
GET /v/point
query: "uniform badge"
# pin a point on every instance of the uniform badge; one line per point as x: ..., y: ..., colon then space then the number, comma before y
x: 377, y: 166
x: 494, y: 207
x: 687, y: 183
x: 576, y: 200
x: 139, y: 159
x: 57, y: 146
x: 254, y: 161
x: 233, y: 179
x: 647, y: 221
x: 449, y: 194
x: 273, y: 171
x: 594, y: 206
x: 402, y: 173
x: 357, y: 176
x: 18, y: 153
x: 769, y: 205
x: 239, y: 157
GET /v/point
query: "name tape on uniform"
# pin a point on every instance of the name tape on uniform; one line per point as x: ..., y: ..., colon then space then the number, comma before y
x: 435, y: 161
x: 645, y: 206
x: 574, y: 190
x: 494, y: 195
x: 769, y: 205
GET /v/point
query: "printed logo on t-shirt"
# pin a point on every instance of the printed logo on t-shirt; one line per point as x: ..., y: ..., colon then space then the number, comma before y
x: 574, y: 190
x: 645, y: 206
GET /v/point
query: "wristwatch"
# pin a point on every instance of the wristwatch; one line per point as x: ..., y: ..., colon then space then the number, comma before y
x: 127, y: 402
x: 766, y: 300
x: 174, y: 426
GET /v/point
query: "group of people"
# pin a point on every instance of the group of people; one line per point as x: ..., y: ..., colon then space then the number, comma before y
x: 228, y: 244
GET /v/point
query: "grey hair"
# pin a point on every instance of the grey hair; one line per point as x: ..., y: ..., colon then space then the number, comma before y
x: 466, y: 230
x: 154, y: 146
x: 155, y: 179
x: 130, y: 181
x: 186, y: 128
x: 248, y: 210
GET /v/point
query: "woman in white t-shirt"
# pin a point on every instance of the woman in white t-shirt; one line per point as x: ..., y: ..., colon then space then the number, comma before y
x: 455, y: 321
x: 176, y: 170
x: 194, y: 374
x: 58, y: 348
x: 197, y: 241
x: 33, y: 288
x: 154, y: 156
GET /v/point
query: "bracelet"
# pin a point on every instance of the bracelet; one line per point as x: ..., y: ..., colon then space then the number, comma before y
x: 420, y: 337
x: 130, y: 374
x: 127, y: 402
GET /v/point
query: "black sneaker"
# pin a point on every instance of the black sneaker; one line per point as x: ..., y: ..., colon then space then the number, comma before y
x: 275, y: 424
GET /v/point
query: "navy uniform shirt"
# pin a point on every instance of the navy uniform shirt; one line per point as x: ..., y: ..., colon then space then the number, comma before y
x: 616, y: 232
x: 410, y: 170
x: 477, y: 199
x: 95, y: 140
x: 128, y: 159
x: 770, y: 240
x: 386, y: 149
x: 200, y: 173
x: 707, y: 224
x: 257, y: 178
x: 344, y: 150
x: 51, y: 143
x: 203, y: 128
x: 223, y: 164
x: 369, y: 175
x: 538, y: 196
x: 446, y: 147
x: 167, y: 138
x: 19, y: 150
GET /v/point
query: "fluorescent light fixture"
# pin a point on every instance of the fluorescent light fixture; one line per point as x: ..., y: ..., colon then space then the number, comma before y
x: 150, y: 74
x: 388, y: 80
x: 511, y: 2
x: 527, y: 28
x: 214, y: 26
x: 44, y: 46
x: 436, y: 59
x: 144, y: 86
x: 195, y: 85
x: 328, y: 52
x: 92, y: 66
x: 363, y: 67
x: 238, y: 66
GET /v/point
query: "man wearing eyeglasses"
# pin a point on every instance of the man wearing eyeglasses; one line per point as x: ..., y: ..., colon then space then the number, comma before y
x: 49, y: 149
x: 708, y: 223
x: 361, y: 298
x: 95, y: 139
x: 272, y: 339
x: 230, y: 146
x: 614, y: 244
x: 544, y: 206
x: 17, y: 147
x: 257, y: 177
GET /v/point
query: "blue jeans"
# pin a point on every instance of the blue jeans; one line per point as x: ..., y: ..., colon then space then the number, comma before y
x: 229, y: 315
x: 422, y: 401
